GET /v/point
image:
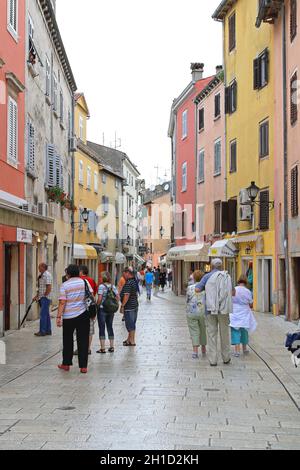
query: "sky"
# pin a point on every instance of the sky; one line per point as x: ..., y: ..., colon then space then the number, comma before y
x: 131, y: 58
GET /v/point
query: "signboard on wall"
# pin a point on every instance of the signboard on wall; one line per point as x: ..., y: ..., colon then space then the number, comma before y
x: 24, y: 236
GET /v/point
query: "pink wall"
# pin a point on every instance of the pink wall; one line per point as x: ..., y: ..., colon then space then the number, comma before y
x: 13, y: 54
x: 213, y: 188
x: 185, y: 152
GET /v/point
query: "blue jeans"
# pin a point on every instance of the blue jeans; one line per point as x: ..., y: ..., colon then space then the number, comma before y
x: 105, y: 319
x: 131, y: 319
x: 149, y: 290
x: 45, y: 320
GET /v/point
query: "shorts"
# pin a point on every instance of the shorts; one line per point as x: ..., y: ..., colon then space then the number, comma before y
x: 239, y: 336
x: 92, y: 327
x: 131, y: 319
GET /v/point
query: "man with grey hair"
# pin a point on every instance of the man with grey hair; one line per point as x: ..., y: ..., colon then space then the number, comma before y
x: 218, y: 289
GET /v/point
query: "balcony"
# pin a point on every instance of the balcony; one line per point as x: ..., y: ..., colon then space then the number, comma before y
x: 268, y: 11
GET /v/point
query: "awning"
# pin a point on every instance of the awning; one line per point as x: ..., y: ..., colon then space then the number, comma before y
x: 139, y: 259
x: 107, y: 257
x: 246, y: 239
x: 84, y: 252
x: 120, y: 258
x: 223, y: 249
x: 189, y: 253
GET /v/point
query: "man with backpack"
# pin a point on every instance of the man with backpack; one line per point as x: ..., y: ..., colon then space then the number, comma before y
x: 108, y: 302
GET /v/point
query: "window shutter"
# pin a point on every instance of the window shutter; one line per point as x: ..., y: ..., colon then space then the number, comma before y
x: 294, y: 192
x: 234, y: 96
x: 264, y: 210
x: 266, y: 58
x: 61, y: 106
x: 225, y: 218
x: 12, y: 130
x: 91, y: 221
x: 48, y: 77
x: 58, y: 171
x: 217, y: 105
x: 31, y: 147
x: 61, y: 176
x: 80, y: 172
x: 201, y: 119
x: 229, y: 216
x: 50, y: 166
x: 293, y: 19
x: 233, y: 157
x: 13, y: 14
x: 256, y: 74
x: 227, y: 99
x: 232, y: 32
x: 293, y: 99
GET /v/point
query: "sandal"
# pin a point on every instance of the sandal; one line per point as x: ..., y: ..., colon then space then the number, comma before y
x: 126, y: 343
x: 101, y: 351
x: 111, y: 350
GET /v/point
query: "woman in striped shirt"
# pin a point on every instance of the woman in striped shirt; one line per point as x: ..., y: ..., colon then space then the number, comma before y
x: 72, y: 315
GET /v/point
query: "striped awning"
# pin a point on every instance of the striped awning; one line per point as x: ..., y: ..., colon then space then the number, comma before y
x: 84, y: 252
x: 189, y: 253
x: 245, y: 239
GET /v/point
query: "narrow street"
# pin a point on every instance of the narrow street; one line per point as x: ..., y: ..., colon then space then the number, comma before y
x: 151, y: 397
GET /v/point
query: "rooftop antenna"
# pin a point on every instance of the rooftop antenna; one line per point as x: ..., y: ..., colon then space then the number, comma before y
x: 118, y: 142
x: 157, y: 175
x: 103, y: 139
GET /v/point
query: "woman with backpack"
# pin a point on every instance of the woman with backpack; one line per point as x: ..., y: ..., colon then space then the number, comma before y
x: 108, y: 302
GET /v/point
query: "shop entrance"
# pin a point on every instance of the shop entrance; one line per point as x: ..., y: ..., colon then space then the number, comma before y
x: 264, y: 285
x: 11, y: 287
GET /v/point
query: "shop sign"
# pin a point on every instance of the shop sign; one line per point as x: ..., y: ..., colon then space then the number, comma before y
x: 24, y: 236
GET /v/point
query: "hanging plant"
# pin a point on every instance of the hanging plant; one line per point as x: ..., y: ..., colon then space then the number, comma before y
x: 56, y: 194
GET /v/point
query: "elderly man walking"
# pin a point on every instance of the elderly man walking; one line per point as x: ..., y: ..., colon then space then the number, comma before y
x: 218, y: 290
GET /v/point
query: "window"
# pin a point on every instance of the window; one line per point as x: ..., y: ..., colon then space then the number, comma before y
x: 231, y: 98
x: 12, y: 17
x: 89, y: 178
x: 233, y: 156
x: 30, y: 146
x: 201, y: 166
x: 201, y: 119
x: 218, y: 161
x: 80, y: 127
x: 105, y: 204
x: 232, y: 32
x: 293, y: 19
x: 48, y: 77
x: 294, y: 99
x: 184, y: 124
x: 12, y: 131
x: 261, y: 70
x: 55, y: 90
x: 116, y: 183
x: 61, y: 106
x: 294, y: 192
x: 264, y: 139
x: 81, y: 172
x: 104, y: 178
x: 55, y: 177
x: 117, y: 208
x: 31, y: 48
x: 218, y: 217
x: 217, y: 105
x: 183, y: 223
x: 96, y: 181
x: 264, y: 213
x: 184, y: 177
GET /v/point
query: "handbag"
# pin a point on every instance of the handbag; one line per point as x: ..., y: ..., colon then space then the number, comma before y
x: 91, y: 305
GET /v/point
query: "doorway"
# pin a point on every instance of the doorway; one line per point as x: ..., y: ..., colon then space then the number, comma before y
x: 7, y: 287
x: 265, y: 285
x: 295, y: 293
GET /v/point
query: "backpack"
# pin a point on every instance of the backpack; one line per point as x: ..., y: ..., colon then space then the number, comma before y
x: 110, y: 304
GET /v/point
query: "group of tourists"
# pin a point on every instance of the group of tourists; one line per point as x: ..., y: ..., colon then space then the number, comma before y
x: 156, y: 278
x: 213, y: 304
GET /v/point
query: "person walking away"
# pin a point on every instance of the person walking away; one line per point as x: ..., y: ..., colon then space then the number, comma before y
x: 196, y: 316
x: 106, y: 292
x: 242, y: 320
x: 44, y: 299
x: 170, y: 278
x: 163, y: 280
x: 84, y: 274
x: 218, y: 293
x: 73, y: 316
x: 149, y: 279
x: 156, y: 279
x: 130, y: 306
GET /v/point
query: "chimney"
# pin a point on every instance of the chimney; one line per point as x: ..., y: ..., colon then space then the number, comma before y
x: 197, y: 71
x: 219, y: 68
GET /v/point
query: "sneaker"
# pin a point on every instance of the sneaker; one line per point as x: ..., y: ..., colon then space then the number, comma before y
x: 65, y: 368
x: 195, y: 356
x: 236, y: 354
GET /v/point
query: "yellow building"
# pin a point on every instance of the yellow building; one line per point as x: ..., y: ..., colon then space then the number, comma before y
x: 249, y: 107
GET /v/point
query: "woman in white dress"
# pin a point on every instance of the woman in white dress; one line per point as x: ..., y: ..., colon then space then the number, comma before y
x: 242, y: 320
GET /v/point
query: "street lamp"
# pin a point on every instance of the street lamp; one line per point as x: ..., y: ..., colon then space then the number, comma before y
x: 85, y: 215
x: 253, y: 191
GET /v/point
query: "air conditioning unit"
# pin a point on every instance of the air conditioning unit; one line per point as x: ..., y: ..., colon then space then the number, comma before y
x: 43, y: 209
x: 244, y: 197
x: 73, y: 144
x: 34, y: 209
x: 30, y: 208
x: 25, y: 207
x: 245, y: 213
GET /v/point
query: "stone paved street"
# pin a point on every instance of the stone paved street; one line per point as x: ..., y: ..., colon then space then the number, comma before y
x: 153, y: 397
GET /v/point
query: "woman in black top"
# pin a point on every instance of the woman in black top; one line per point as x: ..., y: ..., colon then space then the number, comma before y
x: 163, y: 279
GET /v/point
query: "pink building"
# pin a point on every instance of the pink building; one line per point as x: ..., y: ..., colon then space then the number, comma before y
x: 186, y: 253
x: 287, y: 144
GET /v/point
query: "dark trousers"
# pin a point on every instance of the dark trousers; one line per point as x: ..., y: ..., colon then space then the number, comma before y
x: 82, y: 326
x: 105, y: 319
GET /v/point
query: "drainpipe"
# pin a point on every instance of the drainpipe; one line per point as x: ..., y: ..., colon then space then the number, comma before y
x: 285, y: 167
x: 225, y: 118
x: 196, y: 168
x: 73, y: 180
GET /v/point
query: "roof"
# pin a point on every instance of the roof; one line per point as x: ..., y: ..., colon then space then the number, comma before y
x: 100, y: 160
x: 217, y: 79
x: 50, y: 18
x: 114, y: 158
x: 159, y: 191
x: 77, y: 97
x: 222, y: 10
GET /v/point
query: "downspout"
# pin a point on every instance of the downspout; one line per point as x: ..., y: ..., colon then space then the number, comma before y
x: 225, y: 118
x: 285, y: 167
x: 196, y: 169
x: 73, y: 181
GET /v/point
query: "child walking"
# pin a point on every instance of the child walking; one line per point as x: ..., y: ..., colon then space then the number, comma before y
x: 196, y: 316
x: 242, y: 320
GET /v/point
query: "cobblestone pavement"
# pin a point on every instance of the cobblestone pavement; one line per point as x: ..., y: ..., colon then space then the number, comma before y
x: 151, y: 397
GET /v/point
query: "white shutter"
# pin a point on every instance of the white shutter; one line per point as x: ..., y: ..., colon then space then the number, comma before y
x: 13, y: 14
x: 61, y: 175
x: 57, y: 171
x: 54, y: 92
x: 51, y: 172
x: 96, y: 182
x: 12, y: 130
x: 89, y: 178
x: 96, y: 221
x: 61, y: 106
x: 48, y: 76
x: 31, y: 147
x: 80, y: 172
x: 91, y: 222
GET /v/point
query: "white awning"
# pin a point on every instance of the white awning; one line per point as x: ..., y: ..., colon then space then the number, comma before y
x: 107, y: 257
x: 189, y: 253
x: 120, y: 258
x: 246, y: 239
x: 84, y: 252
x: 11, y: 199
x: 223, y: 249
x: 139, y: 259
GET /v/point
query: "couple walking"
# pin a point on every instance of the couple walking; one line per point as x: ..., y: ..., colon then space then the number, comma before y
x: 212, y: 305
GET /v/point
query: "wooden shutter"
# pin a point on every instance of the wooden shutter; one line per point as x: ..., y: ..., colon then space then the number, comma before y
x: 256, y: 74
x: 51, y: 176
x: 294, y: 192
x: 201, y: 119
x: 227, y: 99
x: 218, y: 217
x: 293, y: 99
x: 234, y: 97
x: 229, y: 216
x: 266, y: 59
x: 12, y: 130
x: 31, y: 146
x: 232, y: 32
x: 91, y: 221
x: 293, y: 19
x: 264, y: 210
x: 217, y: 105
x: 264, y: 139
x: 233, y: 157
x: 48, y: 77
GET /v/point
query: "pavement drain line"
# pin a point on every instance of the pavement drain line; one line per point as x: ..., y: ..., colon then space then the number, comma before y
x: 295, y: 402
